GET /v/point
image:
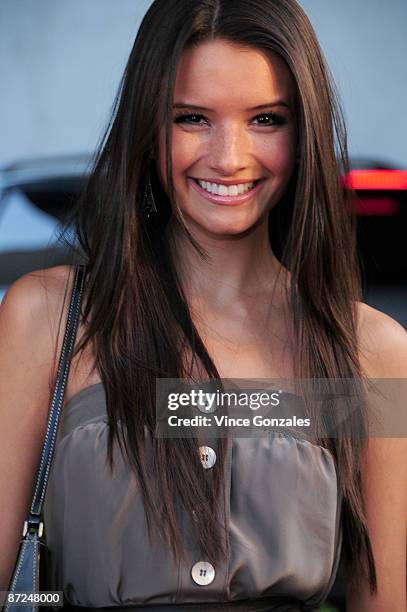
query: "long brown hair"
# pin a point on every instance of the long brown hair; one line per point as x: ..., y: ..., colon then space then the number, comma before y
x: 136, y: 313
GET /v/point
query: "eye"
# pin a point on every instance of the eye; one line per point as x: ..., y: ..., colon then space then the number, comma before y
x: 269, y: 119
x: 189, y: 118
x: 264, y: 119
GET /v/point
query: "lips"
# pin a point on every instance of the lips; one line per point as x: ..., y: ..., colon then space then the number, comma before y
x: 227, y: 199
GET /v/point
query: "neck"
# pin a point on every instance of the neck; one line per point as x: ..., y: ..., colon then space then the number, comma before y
x: 239, y: 268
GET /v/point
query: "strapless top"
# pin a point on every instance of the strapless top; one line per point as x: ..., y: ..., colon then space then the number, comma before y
x: 282, y: 513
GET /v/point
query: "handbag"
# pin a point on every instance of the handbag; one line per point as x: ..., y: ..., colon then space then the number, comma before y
x: 32, y: 551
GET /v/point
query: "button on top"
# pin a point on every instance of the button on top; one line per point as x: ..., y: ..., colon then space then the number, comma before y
x: 203, y: 573
x: 204, y: 405
x: 208, y: 456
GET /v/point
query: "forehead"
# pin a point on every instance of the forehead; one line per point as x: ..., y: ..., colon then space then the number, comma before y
x: 222, y: 73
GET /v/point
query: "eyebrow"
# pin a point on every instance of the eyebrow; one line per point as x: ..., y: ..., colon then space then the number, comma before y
x: 253, y: 108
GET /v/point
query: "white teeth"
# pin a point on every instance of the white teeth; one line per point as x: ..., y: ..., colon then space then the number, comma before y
x: 226, y: 190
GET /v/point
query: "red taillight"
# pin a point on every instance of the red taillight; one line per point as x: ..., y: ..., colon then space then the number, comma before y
x: 375, y: 180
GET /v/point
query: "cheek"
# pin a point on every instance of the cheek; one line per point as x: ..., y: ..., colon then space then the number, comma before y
x: 184, y: 153
x: 278, y: 154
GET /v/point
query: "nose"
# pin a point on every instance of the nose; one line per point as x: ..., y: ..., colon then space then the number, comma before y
x: 228, y: 151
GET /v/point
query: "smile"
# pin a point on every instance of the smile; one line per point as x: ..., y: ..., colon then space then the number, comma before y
x: 231, y: 190
x: 220, y: 193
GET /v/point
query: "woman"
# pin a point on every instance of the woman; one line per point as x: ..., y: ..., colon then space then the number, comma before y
x: 218, y: 244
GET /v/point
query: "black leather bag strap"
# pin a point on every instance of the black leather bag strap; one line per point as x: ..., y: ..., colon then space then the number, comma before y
x: 33, y: 520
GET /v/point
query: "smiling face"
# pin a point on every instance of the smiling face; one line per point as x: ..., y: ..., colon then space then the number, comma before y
x: 233, y: 125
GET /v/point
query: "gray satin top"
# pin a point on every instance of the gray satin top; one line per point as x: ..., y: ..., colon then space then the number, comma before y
x: 282, y: 513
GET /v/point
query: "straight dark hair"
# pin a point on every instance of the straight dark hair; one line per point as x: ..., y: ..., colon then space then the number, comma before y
x: 136, y: 314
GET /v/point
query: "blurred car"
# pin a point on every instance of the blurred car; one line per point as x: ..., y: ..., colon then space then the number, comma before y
x: 381, y: 207
x: 35, y: 195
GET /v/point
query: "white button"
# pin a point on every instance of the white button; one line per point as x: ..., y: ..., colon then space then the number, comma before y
x: 203, y: 573
x: 204, y: 405
x: 208, y: 456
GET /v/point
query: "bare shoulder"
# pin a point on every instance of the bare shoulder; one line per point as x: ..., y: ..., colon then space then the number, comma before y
x: 29, y: 294
x: 31, y: 315
x: 44, y: 280
x: 32, y: 322
x: 382, y: 343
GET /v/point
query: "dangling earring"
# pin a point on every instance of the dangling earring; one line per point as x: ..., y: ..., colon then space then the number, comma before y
x: 149, y: 205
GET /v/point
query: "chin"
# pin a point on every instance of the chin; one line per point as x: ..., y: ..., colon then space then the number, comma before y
x: 225, y: 229
x: 223, y: 226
